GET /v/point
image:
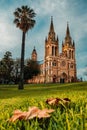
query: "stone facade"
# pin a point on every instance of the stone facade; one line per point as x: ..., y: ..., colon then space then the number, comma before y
x: 57, y: 67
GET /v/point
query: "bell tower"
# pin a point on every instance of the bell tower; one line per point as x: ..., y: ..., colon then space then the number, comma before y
x: 51, y: 43
x: 34, y: 55
x: 68, y: 49
x: 51, y: 55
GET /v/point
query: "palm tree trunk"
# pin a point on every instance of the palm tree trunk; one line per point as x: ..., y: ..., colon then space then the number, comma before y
x: 21, y: 83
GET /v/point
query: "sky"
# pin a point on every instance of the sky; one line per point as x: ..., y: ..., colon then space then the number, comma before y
x: 72, y: 11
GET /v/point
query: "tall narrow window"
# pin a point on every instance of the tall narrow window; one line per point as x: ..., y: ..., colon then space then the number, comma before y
x: 55, y: 51
x: 52, y: 50
x: 48, y: 51
x: 72, y: 54
x: 69, y: 54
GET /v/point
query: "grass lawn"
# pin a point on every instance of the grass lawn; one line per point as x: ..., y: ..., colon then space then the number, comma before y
x: 35, y: 95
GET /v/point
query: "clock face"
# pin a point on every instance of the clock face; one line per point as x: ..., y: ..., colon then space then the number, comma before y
x: 63, y: 63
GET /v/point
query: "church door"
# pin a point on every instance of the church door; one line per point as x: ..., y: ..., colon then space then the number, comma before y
x: 62, y: 80
x: 54, y: 79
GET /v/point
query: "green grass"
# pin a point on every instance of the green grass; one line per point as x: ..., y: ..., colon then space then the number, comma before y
x: 72, y: 118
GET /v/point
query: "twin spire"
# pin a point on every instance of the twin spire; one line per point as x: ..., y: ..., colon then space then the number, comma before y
x: 52, y: 33
x: 52, y: 28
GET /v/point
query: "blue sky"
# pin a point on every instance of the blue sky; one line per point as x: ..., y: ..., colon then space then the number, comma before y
x: 73, y: 11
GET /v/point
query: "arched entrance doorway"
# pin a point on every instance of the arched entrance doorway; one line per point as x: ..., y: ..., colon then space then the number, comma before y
x: 63, y: 78
x: 54, y: 78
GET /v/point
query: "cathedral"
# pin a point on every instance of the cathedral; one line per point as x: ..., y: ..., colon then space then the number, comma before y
x: 56, y: 67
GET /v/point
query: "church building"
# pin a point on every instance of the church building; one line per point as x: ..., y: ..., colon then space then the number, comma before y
x: 56, y: 67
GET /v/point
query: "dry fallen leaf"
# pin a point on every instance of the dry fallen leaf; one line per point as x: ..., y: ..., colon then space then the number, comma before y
x: 45, y: 113
x: 66, y: 101
x: 20, y: 115
x: 53, y: 101
x: 56, y: 101
x: 31, y: 113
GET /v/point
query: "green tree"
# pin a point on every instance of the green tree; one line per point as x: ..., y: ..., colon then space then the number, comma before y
x: 32, y: 69
x: 6, y: 67
x: 24, y: 21
x: 2, y: 72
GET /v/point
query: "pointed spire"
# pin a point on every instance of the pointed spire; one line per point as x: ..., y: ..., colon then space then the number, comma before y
x: 34, y: 55
x: 57, y: 38
x: 34, y: 50
x: 62, y: 44
x: 73, y: 43
x: 67, y: 31
x: 46, y: 39
x: 51, y: 25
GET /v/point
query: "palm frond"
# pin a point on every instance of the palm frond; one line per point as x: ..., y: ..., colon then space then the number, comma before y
x: 23, y: 7
x: 32, y: 15
x: 19, y: 10
x: 18, y: 24
x: 16, y: 21
x: 24, y: 18
x: 26, y: 6
x: 16, y: 13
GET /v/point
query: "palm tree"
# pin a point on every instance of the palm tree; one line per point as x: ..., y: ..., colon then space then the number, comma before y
x: 24, y: 21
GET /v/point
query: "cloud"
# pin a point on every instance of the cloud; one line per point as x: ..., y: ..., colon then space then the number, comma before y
x: 46, y: 7
x: 9, y: 34
x: 81, y: 73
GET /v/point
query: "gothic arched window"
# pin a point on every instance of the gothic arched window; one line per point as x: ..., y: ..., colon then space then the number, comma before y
x: 52, y: 50
x: 72, y: 54
x: 55, y: 51
x: 69, y: 54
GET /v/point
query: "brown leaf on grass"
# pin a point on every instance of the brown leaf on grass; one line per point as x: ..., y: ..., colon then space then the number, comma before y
x: 36, y: 112
x: 49, y: 110
x: 17, y: 115
x: 66, y: 101
x: 31, y: 113
x: 53, y: 101
x: 16, y: 112
x: 45, y: 113
x: 56, y: 101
